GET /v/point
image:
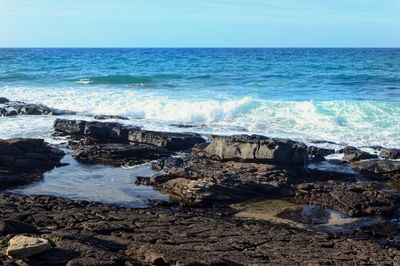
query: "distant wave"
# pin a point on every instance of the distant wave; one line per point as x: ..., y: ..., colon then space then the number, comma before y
x: 115, y: 79
x: 126, y: 79
x: 348, y: 121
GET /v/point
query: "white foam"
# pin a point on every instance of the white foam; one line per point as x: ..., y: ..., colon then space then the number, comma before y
x: 359, y: 123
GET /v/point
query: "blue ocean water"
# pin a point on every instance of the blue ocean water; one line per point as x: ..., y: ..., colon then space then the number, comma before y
x: 344, y: 95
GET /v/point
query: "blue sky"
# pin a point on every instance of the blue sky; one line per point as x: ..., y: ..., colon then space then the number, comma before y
x: 202, y: 23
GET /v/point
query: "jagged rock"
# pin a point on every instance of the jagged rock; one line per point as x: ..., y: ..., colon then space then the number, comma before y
x: 3, y: 100
x: 353, y: 154
x: 118, y: 153
x: 114, y: 132
x: 24, y: 159
x: 256, y: 148
x: 205, y: 182
x: 24, y: 247
x: 11, y: 108
x: 381, y: 169
x: 356, y: 200
x: 315, y: 151
x: 390, y: 153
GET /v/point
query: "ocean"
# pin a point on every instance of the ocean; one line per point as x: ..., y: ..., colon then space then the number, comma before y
x: 343, y: 96
x: 349, y: 96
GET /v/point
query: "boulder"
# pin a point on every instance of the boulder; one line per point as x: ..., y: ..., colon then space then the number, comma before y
x: 353, y: 154
x: 390, y: 154
x: 21, y: 159
x: 257, y: 148
x: 354, y: 199
x: 24, y: 247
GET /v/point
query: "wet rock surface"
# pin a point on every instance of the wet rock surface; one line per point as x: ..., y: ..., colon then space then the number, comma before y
x: 354, y: 199
x: 380, y: 169
x: 22, y: 160
x: 86, y: 233
x: 353, y: 154
x: 118, y: 153
x: 390, y: 153
x: 12, y: 108
x: 104, y: 132
x: 256, y: 148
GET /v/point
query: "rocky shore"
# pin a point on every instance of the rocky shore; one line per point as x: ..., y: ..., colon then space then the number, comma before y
x: 207, y: 176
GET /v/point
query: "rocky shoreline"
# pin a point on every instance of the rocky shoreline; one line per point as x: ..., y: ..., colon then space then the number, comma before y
x: 207, y: 177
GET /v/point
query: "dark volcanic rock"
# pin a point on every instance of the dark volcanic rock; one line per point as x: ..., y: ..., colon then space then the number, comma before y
x: 320, y: 152
x: 205, y: 182
x: 352, y: 154
x: 115, y: 132
x: 380, y: 169
x: 356, y: 200
x: 93, y: 234
x: 25, y: 159
x: 3, y: 100
x: 118, y: 153
x: 256, y: 148
x: 390, y: 153
x: 11, y: 108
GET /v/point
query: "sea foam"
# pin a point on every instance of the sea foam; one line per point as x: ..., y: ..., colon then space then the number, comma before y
x: 349, y: 122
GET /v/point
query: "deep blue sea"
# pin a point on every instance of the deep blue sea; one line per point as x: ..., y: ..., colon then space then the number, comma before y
x: 343, y: 95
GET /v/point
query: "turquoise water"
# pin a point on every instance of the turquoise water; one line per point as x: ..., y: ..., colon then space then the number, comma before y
x: 343, y: 95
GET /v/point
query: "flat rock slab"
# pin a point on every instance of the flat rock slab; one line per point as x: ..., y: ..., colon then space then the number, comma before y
x: 107, y: 132
x: 118, y: 153
x: 24, y: 247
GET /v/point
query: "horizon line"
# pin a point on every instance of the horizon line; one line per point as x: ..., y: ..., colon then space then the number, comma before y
x: 201, y: 47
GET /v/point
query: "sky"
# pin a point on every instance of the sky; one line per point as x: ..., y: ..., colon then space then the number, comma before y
x: 201, y: 23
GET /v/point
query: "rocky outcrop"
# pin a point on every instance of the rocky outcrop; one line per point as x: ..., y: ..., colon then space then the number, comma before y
x: 256, y: 148
x: 25, y: 159
x: 390, y: 154
x: 86, y: 233
x: 119, y: 153
x: 353, y: 154
x: 104, y: 132
x: 12, y: 108
x: 379, y: 169
x: 354, y: 199
x: 248, y: 167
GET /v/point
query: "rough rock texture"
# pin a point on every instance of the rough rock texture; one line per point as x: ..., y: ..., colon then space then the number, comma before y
x: 25, y: 159
x: 380, y: 169
x: 356, y: 199
x: 353, y: 154
x: 205, y: 182
x: 115, y: 132
x: 119, y: 153
x: 24, y: 246
x: 11, y: 108
x: 390, y: 153
x: 90, y: 234
x: 256, y: 148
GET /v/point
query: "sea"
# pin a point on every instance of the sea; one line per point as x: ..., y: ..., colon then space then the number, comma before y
x: 343, y: 96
